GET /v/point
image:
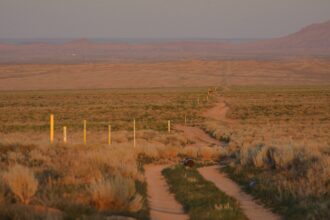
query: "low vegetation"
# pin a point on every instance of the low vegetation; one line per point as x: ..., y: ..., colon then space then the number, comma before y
x: 277, y: 148
x: 22, y: 183
x: 278, y: 142
x: 80, y: 181
x: 200, y: 198
x: 115, y: 194
x: 29, y: 111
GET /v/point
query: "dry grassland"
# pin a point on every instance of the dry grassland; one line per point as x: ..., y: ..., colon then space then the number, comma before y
x: 93, y: 181
x: 279, y: 137
x: 29, y: 111
x: 184, y: 73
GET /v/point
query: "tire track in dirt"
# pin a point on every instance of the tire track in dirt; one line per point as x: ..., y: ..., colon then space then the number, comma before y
x: 197, y: 135
x: 251, y: 209
x: 163, y: 205
x: 218, y: 112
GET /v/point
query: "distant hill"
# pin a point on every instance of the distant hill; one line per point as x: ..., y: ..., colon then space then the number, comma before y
x: 313, y: 40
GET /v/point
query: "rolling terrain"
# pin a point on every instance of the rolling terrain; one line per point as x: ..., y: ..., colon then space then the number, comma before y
x: 312, y: 40
x: 193, y: 73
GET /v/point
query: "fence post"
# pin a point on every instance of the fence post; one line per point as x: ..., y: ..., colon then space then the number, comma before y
x: 109, y: 134
x: 134, y: 130
x: 64, y: 135
x: 169, y: 126
x: 51, y: 133
x: 85, y: 132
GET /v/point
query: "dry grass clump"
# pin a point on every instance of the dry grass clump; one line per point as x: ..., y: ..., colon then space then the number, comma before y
x: 152, y: 151
x: 2, y: 193
x: 297, y: 175
x: 116, y: 194
x: 300, y: 170
x: 165, y: 147
x: 37, y: 157
x: 190, y: 151
x: 156, y: 151
x: 22, y: 182
x: 173, y: 139
x: 148, y: 149
x: 119, y: 158
x: 29, y: 212
x: 15, y: 157
x: 210, y: 153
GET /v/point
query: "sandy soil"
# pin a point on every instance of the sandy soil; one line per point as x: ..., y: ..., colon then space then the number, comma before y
x: 252, y: 210
x: 163, y: 205
x: 190, y: 73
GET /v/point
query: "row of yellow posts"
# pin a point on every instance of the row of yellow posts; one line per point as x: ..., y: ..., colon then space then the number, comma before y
x: 52, y: 125
x: 65, y: 139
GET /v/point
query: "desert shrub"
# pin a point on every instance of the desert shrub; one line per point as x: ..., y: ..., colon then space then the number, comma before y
x: 15, y: 157
x: 116, y: 194
x: 21, y: 182
x: 282, y: 156
x: 168, y: 152
x: 37, y: 157
x: 147, y: 134
x: 244, y: 155
x: 154, y: 150
x: 119, y: 158
x: 29, y: 212
x: 262, y: 157
x: 190, y: 151
x: 172, y: 139
x: 210, y: 153
x: 148, y: 150
x: 16, y: 147
x: 2, y: 193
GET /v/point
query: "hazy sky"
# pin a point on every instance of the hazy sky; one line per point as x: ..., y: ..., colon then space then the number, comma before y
x: 158, y: 18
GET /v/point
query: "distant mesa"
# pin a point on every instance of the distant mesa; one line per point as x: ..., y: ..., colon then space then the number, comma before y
x: 79, y: 42
x: 313, y: 40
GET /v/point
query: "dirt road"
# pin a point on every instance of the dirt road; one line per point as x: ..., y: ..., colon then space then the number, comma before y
x: 218, y: 112
x: 251, y: 209
x: 197, y: 135
x: 163, y: 205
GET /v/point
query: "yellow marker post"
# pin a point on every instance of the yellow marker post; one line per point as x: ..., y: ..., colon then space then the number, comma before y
x: 85, y: 132
x: 109, y: 134
x: 134, y: 129
x: 198, y: 100
x: 64, y: 135
x: 185, y: 119
x: 169, y: 126
x: 51, y: 135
